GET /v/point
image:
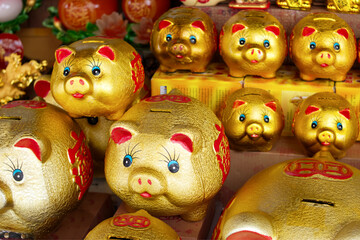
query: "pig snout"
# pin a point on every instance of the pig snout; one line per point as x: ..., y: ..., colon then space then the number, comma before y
x: 325, y: 58
x: 326, y: 137
x: 179, y: 50
x: 147, y: 183
x: 77, y: 86
x: 254, y: 130
x: 254, y: 55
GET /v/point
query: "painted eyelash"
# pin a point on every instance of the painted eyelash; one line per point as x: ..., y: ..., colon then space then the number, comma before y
x: 131, y: 152
x: 169, y: 158
x: 69, y: 62
x: 93, y: 62
x: 12, y: 166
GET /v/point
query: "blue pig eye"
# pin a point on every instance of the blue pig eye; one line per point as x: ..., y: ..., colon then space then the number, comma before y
x: 168, y: 37
x: 127, y: 160
x: 314, y: 124
x: 66, y: 71
x: 312, y: 45
x: 266, y: 118
x: 242, y: 41
x: 242, y: 117
x: 266, y: 44
x: 339, y: 126
x: 336, y: 46
x: 95, y: 70
x: 18, y: 175
x: 173, y: 166
x: 192, y: 39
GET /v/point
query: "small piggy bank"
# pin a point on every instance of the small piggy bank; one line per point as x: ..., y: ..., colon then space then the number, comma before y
x: 311, y: 198
x: 46, y: 168
x: 347, y: 6
x: 295, y: 4
x: 139, y: 225
x: 253, y: 119
x: 253, y: 42
x: 168, y: 155
x: 184, y: 38
x: 322, y: 45
x: 326, y: 121
x: 97, y: 77
x: 200, y: 3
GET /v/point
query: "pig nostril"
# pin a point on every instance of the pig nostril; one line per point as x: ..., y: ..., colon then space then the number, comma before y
x: 71, y: 82
x: 329, y: 55
x: 139, y: 181
x: 252, y: 52
x: 174, y: 47
x: 259, y: 52
x: 81, y: 82
x: 322, y: 55
x: 149, y: 181
x: 181, y: 47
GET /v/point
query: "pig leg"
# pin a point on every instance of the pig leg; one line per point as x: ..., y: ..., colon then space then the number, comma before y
x: 306, y: 77
x: 270, y: 75
x: 349, y: 232
x: 236, y: 73
x: 197, y: 214
x: 337, y: 77
x: 200, y: 69
x: 164, y: 68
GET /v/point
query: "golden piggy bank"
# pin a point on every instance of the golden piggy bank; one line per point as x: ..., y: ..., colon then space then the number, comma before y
x: 168, y: 155
x: 310, y: 198
x: 322, y: 45
x: 295, y: 4
x: 97, y: 77
x: 347, y: 6
x: 326, y: 121
x: 253, y: 119
x: 139, y: 225
x: 253, y: 42
x: 46, y: 168
x: 184, y: 38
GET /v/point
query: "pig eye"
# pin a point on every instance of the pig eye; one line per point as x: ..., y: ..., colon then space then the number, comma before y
x: 339, y: 126
x: 266, y: 43
x: 312, y: 45
x: 266, y: 118
x: 173, y: 166
x: 242, y: 117
x: 95, y: 70
x: 336, y: 46
x: 168, y: 37
x: 18, y: 175
x: 66, y: 71
x: 192, y: 39
x: 127, y: 160
x: 314, y: 124
x: 242, y: 41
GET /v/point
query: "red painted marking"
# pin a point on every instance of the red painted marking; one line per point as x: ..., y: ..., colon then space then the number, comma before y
x: 324, y: 65
x: 171, y: 98
x: 81, y: 160
x: 107, y: 52
x: 120, y: 135
x: 237, y: 27
x: 345, y: 113
x: 131, y: 220
x: 145, y: 195
x: 42, y: 88
x: 71, y: 82
x: 25, y: 103
x: 203, y: 1
x: 78, y: 95
x: 274, y: 29
x: 307, y: 31
x: 222, y: 150
x: 183, y: 140
x: 149, y: 181
x: 81, y: 82
x: 61, y: 54
x: 179, y: 56
x: 343, y: 32
x: 248, y: 235
x: 164, y: 24
x: 137, y: 72
x: 325, y: 143
x: 310, y: 167
x: 271, y: 105
x: 254, y: 135
x: 30, y: 144
x: 254, y: 61
x: 310, y: 109
x: 199, y: 24
x: 139, y: 181
x: 238, y: 103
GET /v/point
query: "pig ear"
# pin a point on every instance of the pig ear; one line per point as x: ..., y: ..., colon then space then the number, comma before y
x: 238, y: 103
x: 271, y: 105
x: 120, y: 135
x: 31, y: 144
x: 62, y: 53
x: 343, y: 32
x: 274, y: 29
x: 107, y: 52
x: 164, y: 24
x: 199, y: 24
x: 237, y: 27
x: 184, y: 140
x: 307, y: 31
x: 310, y: 109
x: 345, y: 112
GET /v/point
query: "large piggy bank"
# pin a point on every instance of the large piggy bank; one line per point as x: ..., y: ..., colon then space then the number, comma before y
x: 97, y: 77
x: 322, y: 45
x: 168, y: 155
x: 253, y: 42
x: 310, y: 198
x: 184, y: 38
x: 253, y: 119
x: 139, y: 225
x: 326, y: 121
x: 46, y: 168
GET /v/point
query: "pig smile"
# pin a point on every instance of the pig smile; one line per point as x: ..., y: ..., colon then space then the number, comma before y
x: 145, y: 195
x: 254, y: 61
x: 324, y: 65
x: 78, y: 95
x: 325, y: 143
x: 254, y: 135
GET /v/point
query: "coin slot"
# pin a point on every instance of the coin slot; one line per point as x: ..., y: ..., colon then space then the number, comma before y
x: 120, y: 238
x: 313, y: 201
x: 10, y: 118
x: 161, y: 110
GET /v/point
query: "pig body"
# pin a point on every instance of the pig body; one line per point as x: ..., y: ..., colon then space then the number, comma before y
x: 253, y: 119
x: 168, y: 155
x: 322, y: 45
x: 253, y: 42
x: 47, y: 167
x: 97, y: 77
x: 310, y: 198
x: 326, y: 121
x: 184, y: 38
